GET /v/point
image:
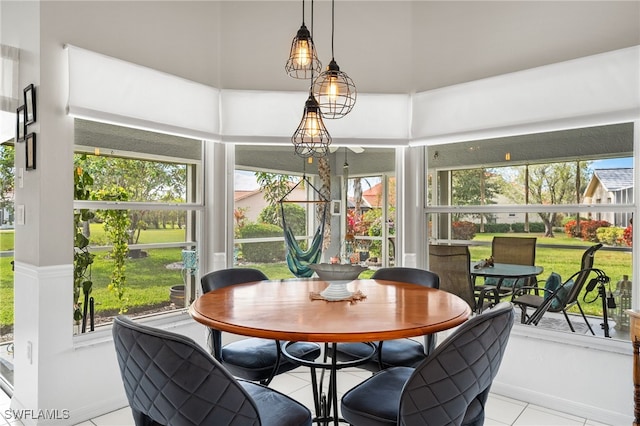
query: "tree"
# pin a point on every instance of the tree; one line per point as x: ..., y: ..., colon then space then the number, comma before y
x: 143, y: 180
x: 7, y: 154
x: 553, y: 183
x: 296, y: 217
x: 274, y: 187
x: 474, y: 187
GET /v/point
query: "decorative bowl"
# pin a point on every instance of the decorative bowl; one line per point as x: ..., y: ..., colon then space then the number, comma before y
x: 337, y: 272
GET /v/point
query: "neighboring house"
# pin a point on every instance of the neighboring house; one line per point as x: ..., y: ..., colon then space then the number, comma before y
x: 610, y: 186
x: 364, y: 204
x: 373, y: 196
x: 252, y: 202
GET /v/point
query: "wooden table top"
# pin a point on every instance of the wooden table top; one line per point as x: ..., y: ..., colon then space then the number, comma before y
x: 284, y: 310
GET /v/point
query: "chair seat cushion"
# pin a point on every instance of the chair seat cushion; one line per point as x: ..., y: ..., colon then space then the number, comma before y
x: 254, y: 358
x: 402, y: 353
x: 272, y: 405
x: 395, y: 353
x: 376, y: 400
x: 554, y: 284
x: 529, y: 300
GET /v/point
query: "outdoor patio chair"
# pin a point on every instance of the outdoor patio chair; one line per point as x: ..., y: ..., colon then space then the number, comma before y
x: 511, y: 250
x: 450, y: 387
x: 451, y: 263
x: 559, y: 296
x: 252, y: 358
x: 171, y: 380
x: 397, y: 352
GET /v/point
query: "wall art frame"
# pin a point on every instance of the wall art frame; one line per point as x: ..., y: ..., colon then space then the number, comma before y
x: 30, y: 151
x: 30, y: 104
x: 21, y: 127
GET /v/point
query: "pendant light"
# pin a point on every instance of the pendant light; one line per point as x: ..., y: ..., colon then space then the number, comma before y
x: 311, y: 138
x: 303, y: 58
x: 334, y: 89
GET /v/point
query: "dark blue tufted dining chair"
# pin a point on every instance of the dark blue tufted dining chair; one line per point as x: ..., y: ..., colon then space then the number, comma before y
x: 398, y: 352
x: 450, y: 387
x: 252, y: 358
x: 170, y: 380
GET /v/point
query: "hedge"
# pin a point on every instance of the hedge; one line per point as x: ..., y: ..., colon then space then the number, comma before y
x: 262, y: 252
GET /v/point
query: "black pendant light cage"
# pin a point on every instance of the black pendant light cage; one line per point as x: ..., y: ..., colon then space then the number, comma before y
x: 334, y: 89
x: 311, y: 138
x: 335, y: 92
x: 303, y: 60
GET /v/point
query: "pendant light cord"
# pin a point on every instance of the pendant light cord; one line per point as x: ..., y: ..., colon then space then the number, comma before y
x: 333, y: 25
x: 312, y: 66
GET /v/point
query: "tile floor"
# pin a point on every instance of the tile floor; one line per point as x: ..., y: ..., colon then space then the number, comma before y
x: 500, y: 411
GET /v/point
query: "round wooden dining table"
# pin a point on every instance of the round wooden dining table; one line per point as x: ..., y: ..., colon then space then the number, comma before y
x: 290, y: 310
x: 285, y: 310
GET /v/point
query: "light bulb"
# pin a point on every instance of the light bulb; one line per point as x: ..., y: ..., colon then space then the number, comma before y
x: 312, y: 127
x: 303, y: 55
x: 332, y: 89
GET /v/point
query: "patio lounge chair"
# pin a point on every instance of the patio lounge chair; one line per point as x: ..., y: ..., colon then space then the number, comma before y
x: 559, y: 296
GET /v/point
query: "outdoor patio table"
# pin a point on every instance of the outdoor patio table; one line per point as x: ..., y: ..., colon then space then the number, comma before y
x: 501, y: 271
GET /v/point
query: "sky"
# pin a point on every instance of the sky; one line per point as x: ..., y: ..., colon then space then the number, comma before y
x: 245, y: 180
x: 615, y: 163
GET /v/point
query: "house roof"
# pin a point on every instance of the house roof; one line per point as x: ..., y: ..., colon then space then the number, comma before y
x: 242, y: 194
x: 373, y: 195
x: 615, y: 179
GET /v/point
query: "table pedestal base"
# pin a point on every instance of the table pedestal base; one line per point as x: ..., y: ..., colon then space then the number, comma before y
x: 326, y: 406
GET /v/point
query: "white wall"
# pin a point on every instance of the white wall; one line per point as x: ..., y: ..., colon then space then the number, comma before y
x: 590, y: 377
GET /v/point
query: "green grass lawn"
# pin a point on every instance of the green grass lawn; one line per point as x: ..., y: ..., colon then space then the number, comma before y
x: 149, y: 279
x: 6, y: 239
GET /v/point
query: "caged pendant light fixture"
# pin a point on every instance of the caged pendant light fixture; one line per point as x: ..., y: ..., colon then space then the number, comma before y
x: 311, y: 138
x: 303, y: 58
x: 334, y: 89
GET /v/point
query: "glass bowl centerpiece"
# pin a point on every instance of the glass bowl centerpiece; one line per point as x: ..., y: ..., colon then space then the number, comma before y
x: 337, y: 275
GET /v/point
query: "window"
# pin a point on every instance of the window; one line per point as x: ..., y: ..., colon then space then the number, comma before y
x: 549, y: 186
x: 137, y: 199
x: 363, y: 204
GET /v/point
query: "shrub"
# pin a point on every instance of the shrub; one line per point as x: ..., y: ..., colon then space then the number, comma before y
x: 588, y: 229
x: 497, y: 228
x: 517, y: 227
x: 571, y: 229
x: 268, y: 251
x: 610, y: 235
x: 374, y: 219
x: 295, y: 216
x: 627, y: 235
x: 537, y: 227
x: 464, y: 230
